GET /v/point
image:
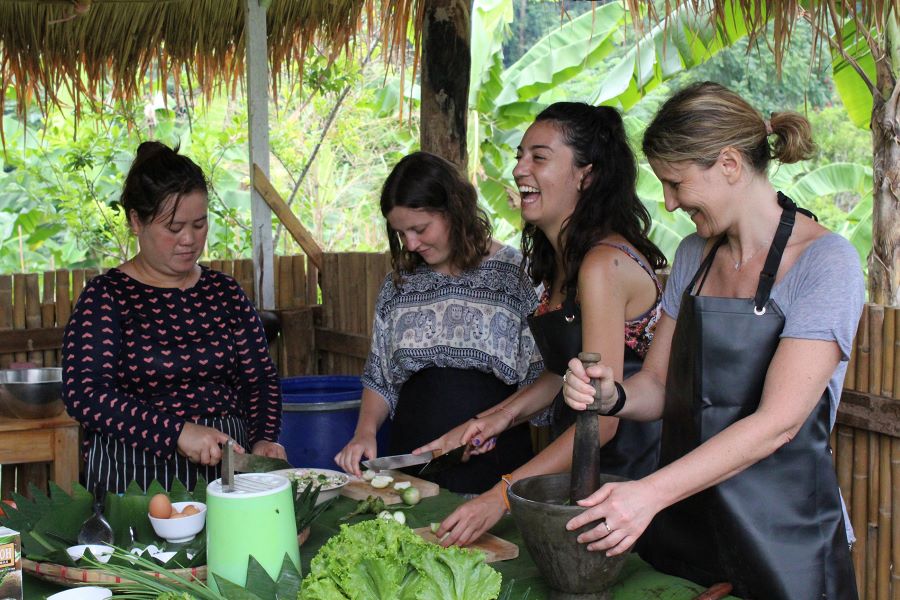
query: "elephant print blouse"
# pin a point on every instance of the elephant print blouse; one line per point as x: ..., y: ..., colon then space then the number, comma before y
x: 140, y: 361
x: 476, y: 320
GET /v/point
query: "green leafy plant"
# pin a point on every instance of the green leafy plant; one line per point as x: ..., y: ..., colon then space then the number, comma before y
x: 50, y: 524
x: 145, y: 580
x: 305, y: 508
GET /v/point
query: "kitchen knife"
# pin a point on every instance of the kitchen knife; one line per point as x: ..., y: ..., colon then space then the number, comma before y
x: 397, y: 461
x: 434, y: 461
x: 250, y: 463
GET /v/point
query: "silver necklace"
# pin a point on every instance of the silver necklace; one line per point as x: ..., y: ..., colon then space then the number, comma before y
x: 739, y: 263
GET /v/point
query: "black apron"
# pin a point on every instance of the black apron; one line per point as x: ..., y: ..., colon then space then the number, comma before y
x: 436, y: 399
x: 775, y: 531
x: 111, y: 465
x: 634, y: 451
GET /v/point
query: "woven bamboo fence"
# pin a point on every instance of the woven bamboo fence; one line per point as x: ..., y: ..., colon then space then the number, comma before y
x: 866, y: 444
x: 326, y: 320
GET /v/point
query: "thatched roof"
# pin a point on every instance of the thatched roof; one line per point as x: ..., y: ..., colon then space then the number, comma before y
x: 78, y: 50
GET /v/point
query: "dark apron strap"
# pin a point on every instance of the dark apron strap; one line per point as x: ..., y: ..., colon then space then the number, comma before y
x: 773, y: 258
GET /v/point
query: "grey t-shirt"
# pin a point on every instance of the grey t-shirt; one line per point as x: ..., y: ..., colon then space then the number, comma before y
x: 822, y: 296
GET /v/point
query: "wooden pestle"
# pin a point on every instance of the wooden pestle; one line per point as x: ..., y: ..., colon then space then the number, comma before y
x: 585, y: 478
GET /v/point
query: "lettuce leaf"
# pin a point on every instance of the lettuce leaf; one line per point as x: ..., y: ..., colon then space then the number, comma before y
x: 380, y: 559
x: 456, y: 574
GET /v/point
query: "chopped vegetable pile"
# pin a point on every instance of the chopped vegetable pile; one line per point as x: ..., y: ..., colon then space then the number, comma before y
x: 381, y: 559
x: 327, y: 480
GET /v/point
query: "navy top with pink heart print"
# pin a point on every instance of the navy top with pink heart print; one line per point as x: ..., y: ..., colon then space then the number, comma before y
x: 139, y: 361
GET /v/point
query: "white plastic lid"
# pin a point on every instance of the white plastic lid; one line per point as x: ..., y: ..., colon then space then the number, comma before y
x: 250, y: 485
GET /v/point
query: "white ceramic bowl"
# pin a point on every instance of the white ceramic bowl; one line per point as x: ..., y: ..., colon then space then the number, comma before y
x: 332, y: 481
x: 99, y: 551
x: 88, y: 592
x: 182, y: 529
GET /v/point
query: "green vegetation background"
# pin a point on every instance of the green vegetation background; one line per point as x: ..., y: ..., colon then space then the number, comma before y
x: 337, y: 130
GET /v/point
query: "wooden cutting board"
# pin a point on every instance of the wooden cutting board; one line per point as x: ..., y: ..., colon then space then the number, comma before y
x: 495, y: 549
x: 359, y: 489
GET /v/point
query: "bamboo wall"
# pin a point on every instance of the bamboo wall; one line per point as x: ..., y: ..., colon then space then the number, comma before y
x: 866, y: 444
x: 332, y: 337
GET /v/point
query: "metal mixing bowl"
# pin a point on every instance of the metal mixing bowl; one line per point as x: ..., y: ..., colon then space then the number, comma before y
x: 31, y: 393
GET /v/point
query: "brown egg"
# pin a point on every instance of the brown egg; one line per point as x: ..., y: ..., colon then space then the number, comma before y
x: 160, y: 507
x: 189, y: 510
x: 178, y: 515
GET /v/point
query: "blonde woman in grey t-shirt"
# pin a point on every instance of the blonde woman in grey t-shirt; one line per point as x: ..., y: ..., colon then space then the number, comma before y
x: 745, y: 370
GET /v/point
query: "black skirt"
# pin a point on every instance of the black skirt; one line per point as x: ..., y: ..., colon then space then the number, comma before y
x: 435, y: 400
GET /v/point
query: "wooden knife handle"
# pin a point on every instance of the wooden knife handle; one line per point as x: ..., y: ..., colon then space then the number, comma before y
x: 715, y: 592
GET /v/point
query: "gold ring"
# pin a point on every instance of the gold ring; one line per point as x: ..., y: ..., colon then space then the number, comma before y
x: 608, y: 530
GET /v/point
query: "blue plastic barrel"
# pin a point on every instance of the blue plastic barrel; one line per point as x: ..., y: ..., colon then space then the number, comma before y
x: 319, y: 414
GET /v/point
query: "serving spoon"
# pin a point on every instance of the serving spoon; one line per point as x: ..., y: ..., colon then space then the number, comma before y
x: 96, y: 529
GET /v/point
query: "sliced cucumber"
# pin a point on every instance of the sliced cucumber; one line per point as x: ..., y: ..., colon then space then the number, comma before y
x: 381, y: 481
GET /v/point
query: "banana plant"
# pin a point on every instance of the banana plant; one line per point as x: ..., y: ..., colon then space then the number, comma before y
x: 505, y: 101
x: 806, y: 186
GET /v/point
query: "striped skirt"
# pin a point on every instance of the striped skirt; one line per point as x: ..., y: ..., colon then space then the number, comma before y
x: 112, y: 465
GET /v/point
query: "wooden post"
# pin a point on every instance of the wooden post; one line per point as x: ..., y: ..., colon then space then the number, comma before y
x: 446, y: 62
x: 258, y: 127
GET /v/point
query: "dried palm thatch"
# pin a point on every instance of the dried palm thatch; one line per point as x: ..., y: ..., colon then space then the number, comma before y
x: 863, y: 15
x: 76, y: 51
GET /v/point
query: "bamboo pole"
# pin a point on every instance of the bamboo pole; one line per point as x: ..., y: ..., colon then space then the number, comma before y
x: 48, y: 314
x: 872, y: 515
x: 860, y: 504
x: 897, y: 359
x: 33, y: 313
x: 298, y: 273
x: 19, y: 310
x: 895, y: 523
x: 862, y: 344
x: 243, y: 273
x: 6, y: 315
x: 284, y: 286
x: 850, y: 377
x: 330, y: 299
x: 77, y: 284
x: 885, y: 517
x: 876, y: 358
x: 312, y: 284
x: 888, y: 344
x: 63, y: 297
x: 845, y: 462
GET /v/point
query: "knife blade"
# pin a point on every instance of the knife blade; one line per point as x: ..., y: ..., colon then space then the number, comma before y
x: 434, y: 461
x: 397, y: 461
x: 253, y: 463
x: 443, y: 461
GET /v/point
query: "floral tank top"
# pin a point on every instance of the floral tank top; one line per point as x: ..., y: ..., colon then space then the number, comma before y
x: 638, y: 332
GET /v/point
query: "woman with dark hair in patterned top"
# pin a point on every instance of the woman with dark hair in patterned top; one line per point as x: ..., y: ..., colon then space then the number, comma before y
x: 451, y: 336
x: 164, y: 360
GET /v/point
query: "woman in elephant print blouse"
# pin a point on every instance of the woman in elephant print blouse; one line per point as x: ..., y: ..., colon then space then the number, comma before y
x: 450, y: 336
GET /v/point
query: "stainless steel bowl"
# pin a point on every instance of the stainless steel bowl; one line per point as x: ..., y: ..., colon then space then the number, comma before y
x: 31, y: 393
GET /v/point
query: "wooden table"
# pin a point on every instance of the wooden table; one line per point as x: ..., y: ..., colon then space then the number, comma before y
x: 28, y: 441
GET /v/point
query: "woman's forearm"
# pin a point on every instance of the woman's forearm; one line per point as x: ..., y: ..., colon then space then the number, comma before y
x: 373, y: 411
x: 529, y: 400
